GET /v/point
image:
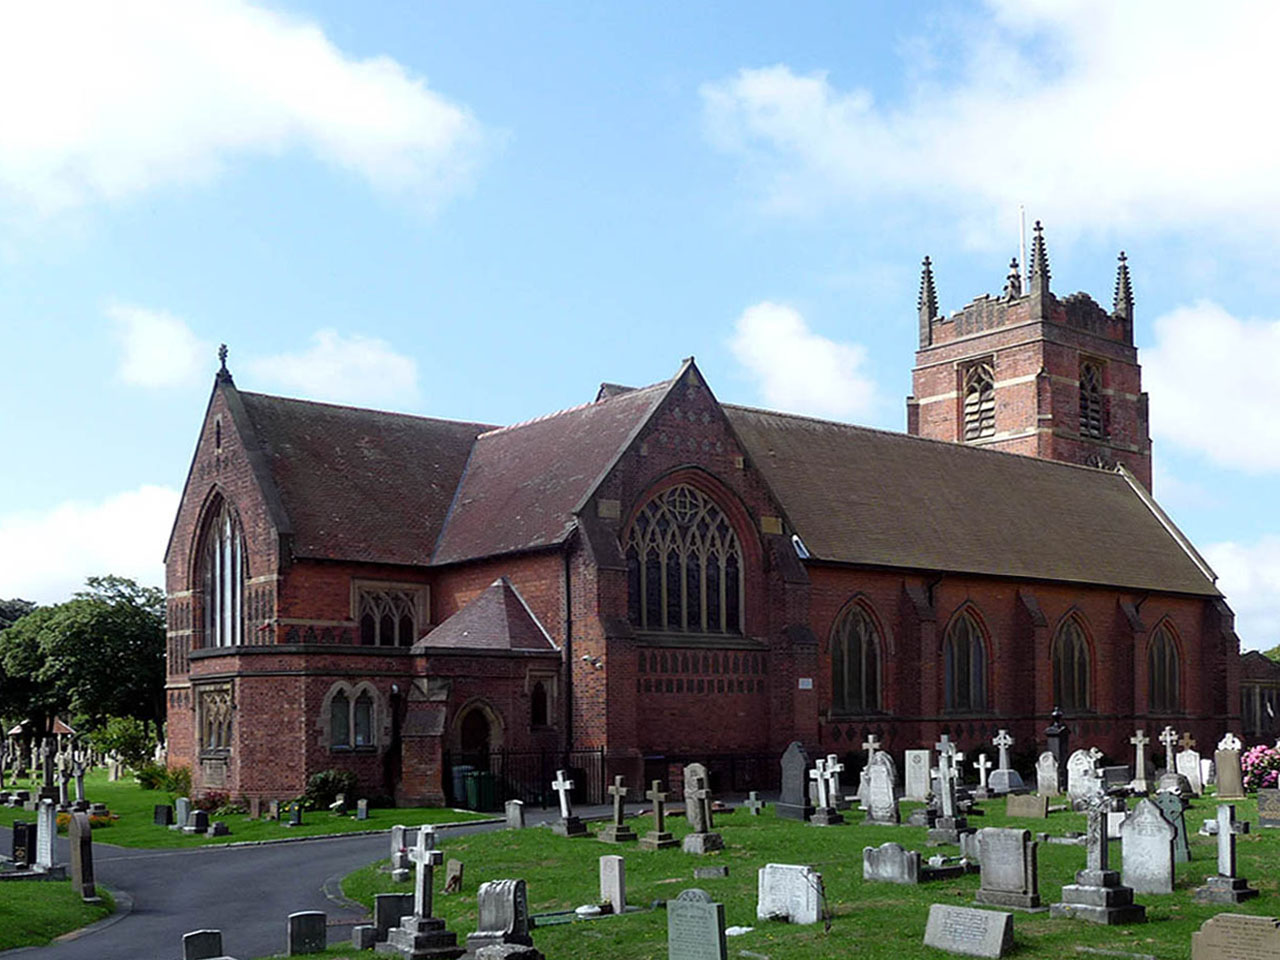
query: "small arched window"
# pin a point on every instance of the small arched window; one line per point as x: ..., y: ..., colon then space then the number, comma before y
x: 538, y: 705
x: 979, y: 401
x: 340, y: 720
x: 362, y: 714
x: 965, y: 665
x: 855, y: 664
x: 1071, y: 668
x: 222, y: 573
x: 1091, y: 424
x: 1164, y: 673
x: 684, y: 565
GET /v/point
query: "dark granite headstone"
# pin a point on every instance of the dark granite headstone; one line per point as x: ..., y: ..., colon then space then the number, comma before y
x: 1172, y: 807
x: 794, y: 803
x: 80, y: 833
x: 307, y: 932
x: 197, y: 822
x: 163, y: 815
x: 24, y: 843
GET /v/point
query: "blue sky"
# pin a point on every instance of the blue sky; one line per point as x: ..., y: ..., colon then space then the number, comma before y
x: 483, y: 210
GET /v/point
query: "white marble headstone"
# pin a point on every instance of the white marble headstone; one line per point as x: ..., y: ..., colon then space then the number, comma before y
x: 789, y: 892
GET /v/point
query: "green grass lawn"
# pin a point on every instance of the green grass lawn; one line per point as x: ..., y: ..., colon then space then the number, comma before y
x: 135, y: 808
x: 869, y: 919
x: 33, y: 912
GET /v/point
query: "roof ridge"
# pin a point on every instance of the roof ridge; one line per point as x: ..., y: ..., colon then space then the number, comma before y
x: 355, y: 409
x: 574, y: 409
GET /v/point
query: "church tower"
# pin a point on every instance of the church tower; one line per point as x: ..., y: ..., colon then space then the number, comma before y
x: 1029, y: 373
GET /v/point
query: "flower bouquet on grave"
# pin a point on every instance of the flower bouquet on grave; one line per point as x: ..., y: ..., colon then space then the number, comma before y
x: 1261, y: 767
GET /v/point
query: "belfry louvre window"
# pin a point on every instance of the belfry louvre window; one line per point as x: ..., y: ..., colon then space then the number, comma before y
x: 979, y: 401
x: 1071, y: 668
x: 388, y: 617
x: 965, y: 663
x: 1164, y: 673
x: 1091, y: 424
x: 222, y: 572
x: 684, y: 565
x: 855, y: 664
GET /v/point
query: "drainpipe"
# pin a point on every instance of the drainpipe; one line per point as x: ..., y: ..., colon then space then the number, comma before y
x: 568, y: 653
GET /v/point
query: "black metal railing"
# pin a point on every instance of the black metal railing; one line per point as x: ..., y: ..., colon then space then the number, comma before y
x: 522, y: 775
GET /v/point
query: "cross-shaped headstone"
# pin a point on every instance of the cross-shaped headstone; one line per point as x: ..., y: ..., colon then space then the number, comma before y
x: 1096, y: 849
x: 659, y: 800
x: 562, y: 786
x: 425, y: 858
x: 946, y: 786
x: 1226, y: 840
x: 944, y: 746
x: 1229, y: 742
x: 982, y: 765
x: 872, y: 746
x: 834, y: 769
x: 1003, y: 742
x: 702, y: 797
x: 1187, y: 742
x: 619, y: 793
x: 819, y: 775
x: 753, y: 803
x: 1140, y: 741
x: 46, y: 752
x: 1169, y: 737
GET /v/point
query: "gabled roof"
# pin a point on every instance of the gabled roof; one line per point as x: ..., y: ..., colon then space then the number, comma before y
x: 359, y: 484
x: 498, y: 619
x: 524, y: 483
x: 856, y: 495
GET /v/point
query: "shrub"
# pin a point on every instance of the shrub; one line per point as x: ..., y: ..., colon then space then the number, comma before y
x: 1261, y: 766
x: 323, y: 788
x: 151, y: 775
x: 211, y: 800
x: 177, y: 781
x: 127, y: 737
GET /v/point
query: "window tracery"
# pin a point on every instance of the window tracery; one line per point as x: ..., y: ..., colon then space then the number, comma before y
x: 965, y: 663
x: 855, y: 664
x: 388, y: 616
x: 1091, y: 423
x: 1071, y: 668
x: 1164, y: 673
x: 222, y: 575
x: 979, y: 400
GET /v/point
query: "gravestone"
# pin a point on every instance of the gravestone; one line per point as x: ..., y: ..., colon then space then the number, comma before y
x: 182, y: 811
x: 202, y: 945
x: 1098, y: 895
x: 80, y: 833
x: 753, y: 803
x: 307, y: 932
x: 1026, y: 805
x: 46, y: 834
x: 698, y: 809
x: 1081, y: 774
x: 1269, y: 807
x: 968, y: 931
x: 882, y: 805
x: 613, y: 883
x: 420, y: 934
x: 568, y: 825
x: 983, y: 766
x: 399, y: 855
x: 835, y: 791
x: 295, y: 814
x: 1004, y: 779
x: 710, y: 873
x: 197, y: 822
x: 362, y: 809
x: 1172, y: 807
x: 1237, y: 936
x: 793, y: 803
x: 502, y: 915
x: 1226, y: 887
x: 453, y: 873
x: 789, y: 892
x: 515, y: 814
x: 1187, y: 763
x: 162, y: 816
x: 691, y: 773
x: 218, y: 828
x: 1047, y: 775
x: 824, y: 811
x: 1146, y: 849
x: 388, y: 908
x: 618, y: 831
x: 659, y: 837
x: 917, y: 775
x: 695, y: 927
x: 255, y: 808
x: 948, y: 825
x: 1009, y: 873
x: 364, y: 936
x: 890, y: 863
x: 1230, y: 777
x: 24, y: 844
x: 1140, y: 784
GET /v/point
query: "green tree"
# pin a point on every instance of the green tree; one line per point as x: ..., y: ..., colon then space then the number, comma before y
x: 11, y: 611
x: 1273, y: 653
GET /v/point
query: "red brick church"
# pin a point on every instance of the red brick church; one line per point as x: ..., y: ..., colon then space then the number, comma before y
x: 655, y: 577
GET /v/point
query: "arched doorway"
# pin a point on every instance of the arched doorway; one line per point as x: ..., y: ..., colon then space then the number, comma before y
x: 474, y: 734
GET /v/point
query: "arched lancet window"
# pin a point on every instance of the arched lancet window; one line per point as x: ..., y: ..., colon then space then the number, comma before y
x: 684, y: 565
x: 538, y: 705
x: 855, y: 664
x: 362, y: 714
x: 1091, y: 400
x: 979, y: 401
x: 1164, y: 673
x: 340, y: 720
x: 1071, y: 668
x: 222, y: 573
x: 965, y: 662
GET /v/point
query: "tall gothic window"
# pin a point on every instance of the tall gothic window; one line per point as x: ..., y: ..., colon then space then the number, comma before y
x: 965, y: 664
x: 388, y: 617
x: 1164, y: 673
x: 855, y: 664
x: 979, y: 401
x: 684, y: 565
x: 538, y: 705
x: 1071, y: 668
x: 340, y: 720
x: 222, y: 579
x: 1091, y: 400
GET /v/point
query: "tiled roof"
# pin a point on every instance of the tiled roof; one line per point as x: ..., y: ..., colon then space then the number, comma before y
x: 360, y: 484
x: 498, y: 619
x: 524, y: 482
x: 863, y: 496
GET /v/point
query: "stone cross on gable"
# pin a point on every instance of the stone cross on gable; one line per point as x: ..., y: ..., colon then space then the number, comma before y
x: 562, y: 786
x: 619, y: 793
x: 659, y: 801
x: 702, y: 797
x: 819, y: 775
x: 1187, y: 742
x: 982, y: 765
x: 1169, y: 737
x: 1226, y: 840
x: 426, y: 858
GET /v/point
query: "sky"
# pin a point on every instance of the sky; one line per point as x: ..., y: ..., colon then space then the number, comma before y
x: 482, y: 210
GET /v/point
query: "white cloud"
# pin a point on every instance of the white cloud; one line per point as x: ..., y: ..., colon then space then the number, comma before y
x: 1096, y: 114
x: 354, y: 369
x: 158, y: 349
x: 1249, y: 575
x: 46, y: 555
x: 798, y: 370
x: 108, y: 100
x: 1213, y: 385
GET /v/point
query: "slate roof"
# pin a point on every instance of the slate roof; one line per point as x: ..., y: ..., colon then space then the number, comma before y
x: 498, y: 619
x: 524, y: 483
x: 360, y: 484
x: 857, y: 495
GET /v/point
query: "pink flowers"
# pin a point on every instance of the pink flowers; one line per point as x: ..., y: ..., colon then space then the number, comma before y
x: 1261, y: 766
